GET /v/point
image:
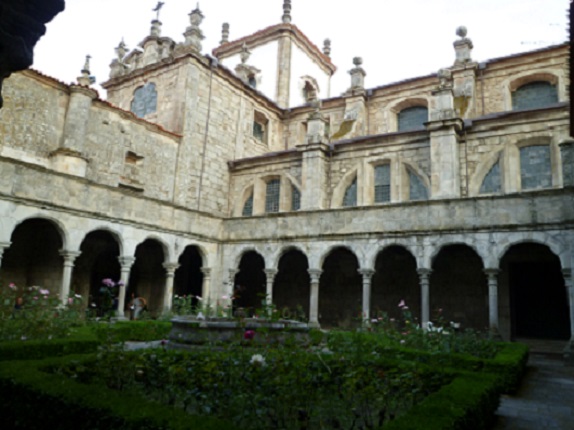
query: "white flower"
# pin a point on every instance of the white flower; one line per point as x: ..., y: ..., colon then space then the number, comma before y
x: 77, y: 296
x: 257, y: 359
x: 454, y: 325
x: 44, y: 292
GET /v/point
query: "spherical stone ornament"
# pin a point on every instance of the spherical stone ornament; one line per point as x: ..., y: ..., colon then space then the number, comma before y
x: 461, y: 31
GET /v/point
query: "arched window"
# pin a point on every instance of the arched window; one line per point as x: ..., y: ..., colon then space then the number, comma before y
x: 417, y: 188
x: 295, y: 198
x: 492, y: 182
x: 248, y: 206
x: 272, y: 196
x: 383, y: 183
x: 535, y: 167
x: 412, y: 118
x: 534, y: 95
x: 145, y: 100
x: 350, y: 198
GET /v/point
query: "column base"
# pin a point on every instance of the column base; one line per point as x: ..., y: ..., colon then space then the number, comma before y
x: 314, y: 324
x: 568, y: 353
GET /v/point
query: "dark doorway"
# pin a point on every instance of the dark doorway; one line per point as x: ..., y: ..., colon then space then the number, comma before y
x: 340, y: 290
x: 250, y: 283
x: 33, y: 258
x: 147, y: 277
x: 538, y: 296
x: 291, y: 287
x: 98, y: 261
x: 459, y: 288
x: 395, y: 279
x: 188, y: 280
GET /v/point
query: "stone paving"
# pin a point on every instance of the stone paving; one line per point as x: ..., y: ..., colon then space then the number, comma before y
x: 545, y: 399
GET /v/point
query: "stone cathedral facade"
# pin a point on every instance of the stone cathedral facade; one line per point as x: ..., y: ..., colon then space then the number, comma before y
x: 239, y: 173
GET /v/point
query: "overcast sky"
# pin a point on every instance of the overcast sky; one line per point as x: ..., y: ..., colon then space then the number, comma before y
x: 397, y: 39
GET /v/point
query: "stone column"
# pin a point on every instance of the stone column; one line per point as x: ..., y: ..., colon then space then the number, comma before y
x: 492, y: 275
x: 270, y: 277
x: 569, y: 284
x: 3, y: 246
x: 424, y: 276
x: 206, y: 284
x: 69, y: 257
x: 314, y: 297
x: 126, y: 264
x: 282, y: 91
x: 170, y: 269
x: 367, y: 275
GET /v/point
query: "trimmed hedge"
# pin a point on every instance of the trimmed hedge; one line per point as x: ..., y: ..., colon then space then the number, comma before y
x: 139, y: 331
x: 38, y: 349
x: 468, y: 402
x: 40, y: 400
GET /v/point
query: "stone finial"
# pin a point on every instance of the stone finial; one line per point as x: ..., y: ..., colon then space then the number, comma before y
x: 327, y: 47
x: 155, y: 30
x: 357, y: 75
x: 462, y: 47
x: 286, y: 18
x: 121, y: 50
x: 193, y: 34
x: 85, y: 79
x: 245, y: 54
x: 224, y: 33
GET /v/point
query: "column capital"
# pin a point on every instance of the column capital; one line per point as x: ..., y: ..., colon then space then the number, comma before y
x: 170, y: 267
x: 424, y: 273
x: 4, y: 245
x: 233, y: 272
x: 567, y: 272
x: 315, y: 274
x: 270, y: 272
x: 126, y: 261
x: 491, y: 272
x: 206, y: 271
x: 69, y: 256
x: 366, y: 272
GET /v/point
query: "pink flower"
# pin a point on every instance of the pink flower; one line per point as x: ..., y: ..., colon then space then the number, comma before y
x: 402, y: 304
x: 12, y: 286
x: 249, y: 334
x: 108, y: 282
x: 44, y: 292
x: 225, y: 297
x: 70, y: 300
x: 35, y: 297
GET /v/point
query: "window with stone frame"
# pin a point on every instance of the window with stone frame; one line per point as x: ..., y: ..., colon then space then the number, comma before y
x: 492, y: 182
x: 412, y: 118
x: 132, y: 176
x: 350, y: 198
x: 248, y: 206
x: 260, y: 127
x: 145, y: 100
x: 535, y: 167
x: 272, y: 195
x: 417, y: 188
x: 383, y: 183
x: 295, y: 198
x: 534, y: 95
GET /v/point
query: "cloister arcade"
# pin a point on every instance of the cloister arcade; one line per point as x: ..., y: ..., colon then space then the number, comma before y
x: 517, y: 283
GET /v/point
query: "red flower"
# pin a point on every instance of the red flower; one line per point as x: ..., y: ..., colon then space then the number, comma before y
x: 249, y: 334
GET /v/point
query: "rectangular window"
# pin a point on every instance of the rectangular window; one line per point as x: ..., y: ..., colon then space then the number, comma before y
x: 272, y: 196
x: 350, y: 198
x: 295, y: 199
x: 383, y: 183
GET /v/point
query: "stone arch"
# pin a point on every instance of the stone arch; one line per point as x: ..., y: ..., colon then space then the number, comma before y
x: 249, y: 287
x: 483, y: 169
x: 245, y: 250
x: 439, y: 245
x: 533, y: 296
x: 291, y: 287
x: 164, y: 245
x: 100, y: 249
x: 147, y: 276
x: 41, y: 264
x: 330, y: 248
x: 284, y: 250
x: 395, y: 279
x: 458, y: 286
x: 188, y: 277
x: 341, y: 188
x: 559, y: 249
x: 340, y: 289
x: 58, y: 224
x: 554, y: 77
x: 246, y: 194
x: 117, y: 236
x: 402, y: 104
